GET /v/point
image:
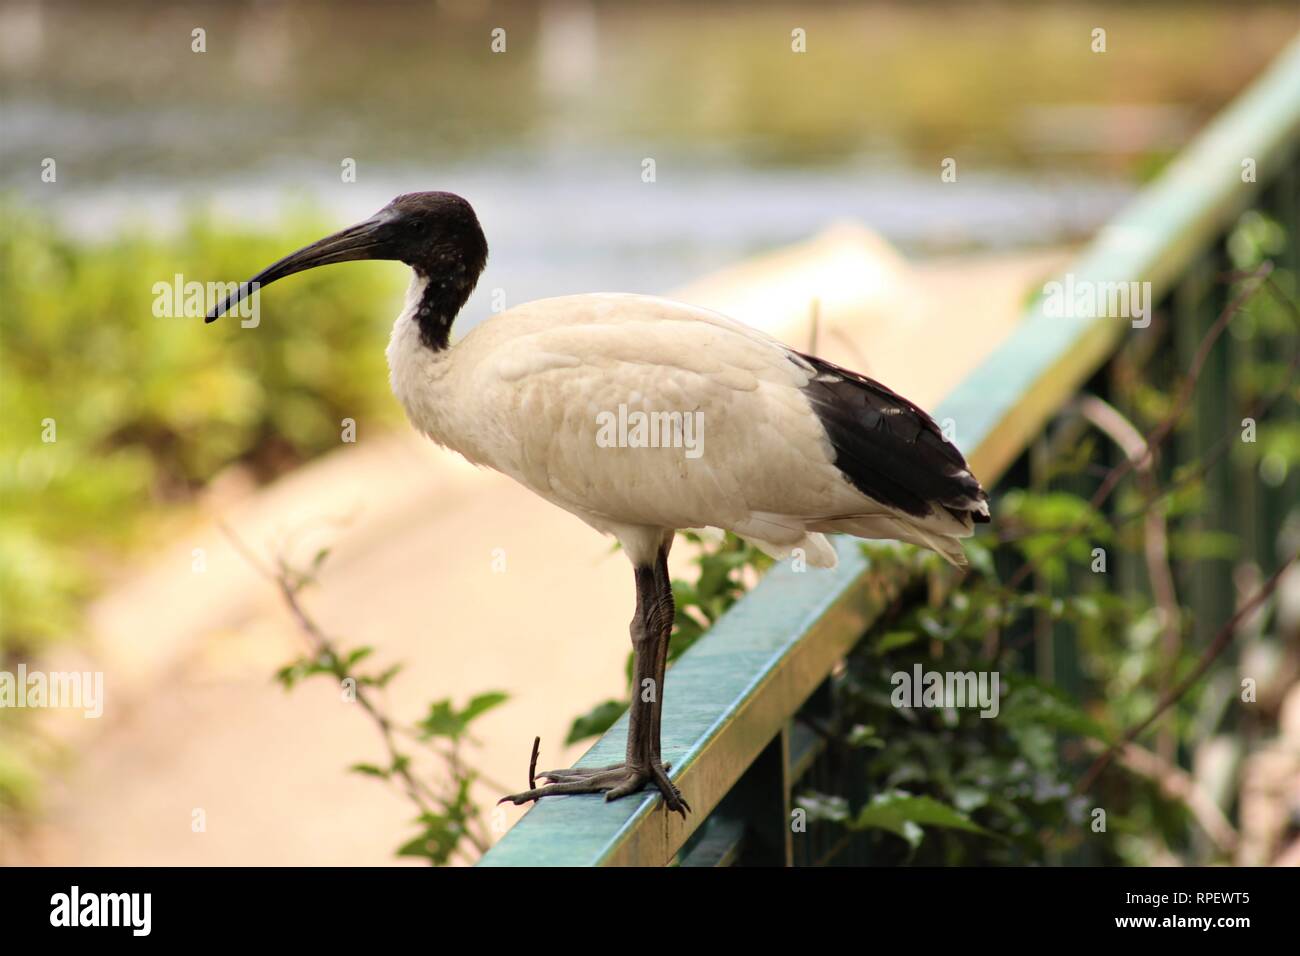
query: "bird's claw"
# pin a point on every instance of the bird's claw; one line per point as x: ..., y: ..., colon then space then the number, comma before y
x: 615, y: 781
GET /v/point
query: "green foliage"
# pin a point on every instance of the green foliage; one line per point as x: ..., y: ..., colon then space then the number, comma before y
x: 904, y: 815
x: 1033, y: 704
x: 444, y: 720
x: 448, y: 818
x: 341, y: 668
x: 1053, y: 528
x: 146, y: 410
x: 19, y: 777
x: 944, y: 786
x: 1257, y: 237
x: 441, y: 833
x: 595, y: 721
x: 941, y: 785
x: 719, y: 582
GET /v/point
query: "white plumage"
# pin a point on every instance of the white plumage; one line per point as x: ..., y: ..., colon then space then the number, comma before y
x: 522, y: 393
x: 776, y: 446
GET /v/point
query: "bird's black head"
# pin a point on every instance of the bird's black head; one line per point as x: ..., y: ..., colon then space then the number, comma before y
x: 433, y: 233
x: 436, y: 234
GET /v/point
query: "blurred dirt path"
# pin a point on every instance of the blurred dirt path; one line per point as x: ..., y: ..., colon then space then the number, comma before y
x: 193, y: 719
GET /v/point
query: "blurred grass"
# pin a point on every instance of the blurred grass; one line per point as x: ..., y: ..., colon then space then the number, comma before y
x: 147, y: 410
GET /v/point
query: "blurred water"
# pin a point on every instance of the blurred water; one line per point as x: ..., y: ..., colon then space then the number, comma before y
x: 754, y: 146
x: 593, y: 225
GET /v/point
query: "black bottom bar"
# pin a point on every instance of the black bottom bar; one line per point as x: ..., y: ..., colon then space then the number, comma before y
x: 301, y: 905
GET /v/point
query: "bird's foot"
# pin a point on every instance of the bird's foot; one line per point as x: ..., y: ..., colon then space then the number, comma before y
x: 616, y: 780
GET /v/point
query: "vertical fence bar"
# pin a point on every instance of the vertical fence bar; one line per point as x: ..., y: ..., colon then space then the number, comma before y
x: 1280, y: 502
x: 1199, y: 300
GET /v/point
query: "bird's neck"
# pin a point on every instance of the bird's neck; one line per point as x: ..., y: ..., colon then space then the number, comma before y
x: 434, y: 299
x: 417, y: 371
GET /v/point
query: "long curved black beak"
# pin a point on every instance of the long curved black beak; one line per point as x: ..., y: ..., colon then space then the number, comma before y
x: 362, y: 241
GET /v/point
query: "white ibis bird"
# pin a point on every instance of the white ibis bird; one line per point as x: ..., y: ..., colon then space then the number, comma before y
x: 783, y: 447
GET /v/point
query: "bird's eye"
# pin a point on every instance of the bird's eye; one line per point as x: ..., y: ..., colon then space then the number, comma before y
x: 416, y: 226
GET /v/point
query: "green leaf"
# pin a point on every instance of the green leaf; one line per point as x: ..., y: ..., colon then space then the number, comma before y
x: 369, y: 770
x: 969, y: 798
x: 361, y: 653
x: 444, y: 720
x: 481, y: 704
x: 387, y: 675
x: 442, y: 834
x: 864, y: 736
x: 1032, y: 703
x: 906, y: 815
x: 980, y: 558
x: 893, y: 640
x: 596, y: 721
x: 821, y: 806
x: 441, y: 721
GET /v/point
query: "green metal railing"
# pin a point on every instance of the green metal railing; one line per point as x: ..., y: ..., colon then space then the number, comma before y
x: 729, y: 726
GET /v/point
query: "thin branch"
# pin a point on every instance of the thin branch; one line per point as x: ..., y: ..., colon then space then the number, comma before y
x: 1220, y: 643
x: 418, y: 791
x: 1178, y: 784
x: 1258, y: 408
x: 1155, y: 540
x: 416, y: 737
x: 289, y: 584
x: 1161, y: 432
x: 1189, y: 381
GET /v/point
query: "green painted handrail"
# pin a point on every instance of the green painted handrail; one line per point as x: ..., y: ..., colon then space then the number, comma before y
x: 1004, y: 403
x: 733, y: 693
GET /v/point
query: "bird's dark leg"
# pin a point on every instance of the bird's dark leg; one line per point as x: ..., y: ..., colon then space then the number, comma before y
x: 666, y: 609
x: 646, y: 637
x: 651, y: 628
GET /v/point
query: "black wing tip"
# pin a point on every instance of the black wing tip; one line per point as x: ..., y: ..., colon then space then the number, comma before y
x: 889, y: 448
x: 974, y: 507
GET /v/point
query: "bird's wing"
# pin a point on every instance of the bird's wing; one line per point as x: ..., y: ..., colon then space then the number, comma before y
x: 768, y: 436
x: 890, y: 449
